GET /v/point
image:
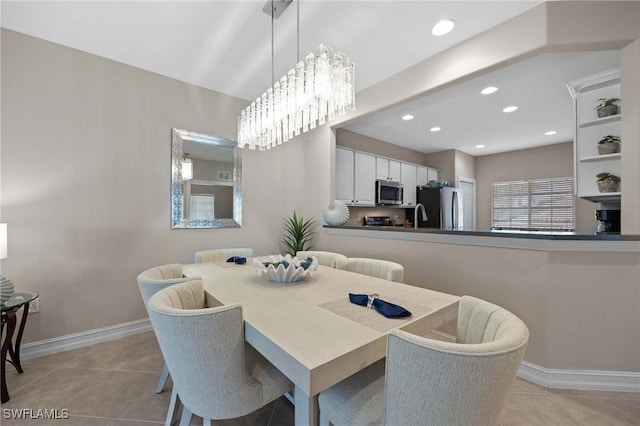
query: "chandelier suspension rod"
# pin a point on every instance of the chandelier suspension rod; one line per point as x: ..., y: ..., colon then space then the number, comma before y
x: 298, y: 29
x: 273, y: 61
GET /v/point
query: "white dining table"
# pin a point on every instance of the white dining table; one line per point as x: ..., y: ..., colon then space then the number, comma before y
x: 310, y: 331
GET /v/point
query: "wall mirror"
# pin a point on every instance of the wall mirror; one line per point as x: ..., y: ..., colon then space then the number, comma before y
x: 206, y: 181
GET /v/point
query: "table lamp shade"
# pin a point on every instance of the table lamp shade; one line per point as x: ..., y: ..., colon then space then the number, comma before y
x: 3, y: 240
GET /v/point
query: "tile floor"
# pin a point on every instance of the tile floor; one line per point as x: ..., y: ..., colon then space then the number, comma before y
x: 113, y: 383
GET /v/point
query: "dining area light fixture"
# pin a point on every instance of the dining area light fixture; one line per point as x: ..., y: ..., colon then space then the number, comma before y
x: 316, y: 90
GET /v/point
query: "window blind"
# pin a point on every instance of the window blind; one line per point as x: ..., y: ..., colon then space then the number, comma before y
x: 544, y: 204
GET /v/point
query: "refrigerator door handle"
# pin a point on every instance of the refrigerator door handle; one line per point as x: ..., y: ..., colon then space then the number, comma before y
x: 454, y: 205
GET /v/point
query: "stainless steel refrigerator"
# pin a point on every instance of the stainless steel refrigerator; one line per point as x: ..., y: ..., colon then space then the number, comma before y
x: 443, y: 207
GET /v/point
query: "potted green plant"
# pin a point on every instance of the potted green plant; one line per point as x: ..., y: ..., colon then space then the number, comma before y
x: 608, y: 182
x: 609, y: 144
x: 606, y: 107
x: 298, y: 234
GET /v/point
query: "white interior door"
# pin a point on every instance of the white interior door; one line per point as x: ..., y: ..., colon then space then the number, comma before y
x: 468, y: 188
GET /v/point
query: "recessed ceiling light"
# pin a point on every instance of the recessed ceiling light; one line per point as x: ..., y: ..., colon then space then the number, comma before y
x: 489, y: 90
x: 435, y: 129
x: 442, y: 27
x: 407, y: 117
x: 510, y: 108
x: 550, y: 132
x: 479, y: 146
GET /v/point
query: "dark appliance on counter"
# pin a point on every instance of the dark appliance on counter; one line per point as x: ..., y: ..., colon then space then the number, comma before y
x: 609, y: 221
x: 443, y: 206
x: 388, y: 192
x: 377, y: 221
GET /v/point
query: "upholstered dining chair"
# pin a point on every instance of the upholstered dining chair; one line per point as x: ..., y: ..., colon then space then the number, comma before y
x: 373, y: 267
x: 150, y: 282
x: 430, y: 382
x: 216, y: 374
x: 222, y: 254
x: 326, y: 258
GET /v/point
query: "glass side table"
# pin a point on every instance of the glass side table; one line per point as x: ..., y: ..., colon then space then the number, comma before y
x: 9, y: 310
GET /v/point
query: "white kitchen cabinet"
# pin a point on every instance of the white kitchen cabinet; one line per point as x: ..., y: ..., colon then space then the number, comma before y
x: 422, y: 174
x: 345, y: 173
x: 387, y: 169
x: 433, y: 174
x: 425, y: 174
x: 589, y: 129
x: 408, y: 180
x: 364, y: 179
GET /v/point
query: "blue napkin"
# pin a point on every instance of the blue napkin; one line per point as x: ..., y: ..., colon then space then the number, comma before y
x: 383, y: 307
x: 238, y: 260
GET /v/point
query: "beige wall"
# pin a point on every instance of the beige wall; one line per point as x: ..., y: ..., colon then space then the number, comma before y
x: 85, y: 168
x: 541, y: 162
x: 445, y: 161
x: 452, y: 164
x: 581, y: 308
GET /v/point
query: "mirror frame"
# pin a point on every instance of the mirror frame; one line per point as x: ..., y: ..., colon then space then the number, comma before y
x: 178, y: 136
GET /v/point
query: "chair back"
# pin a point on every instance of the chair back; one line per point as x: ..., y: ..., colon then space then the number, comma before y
x: 222, y: 254
x: 155, y: 279
x: 204, y: 350
x: 325, y: 258
x: 430, y: 382
x: 373, y: 267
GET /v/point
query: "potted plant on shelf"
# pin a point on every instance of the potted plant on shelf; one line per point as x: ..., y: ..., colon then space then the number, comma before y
x: 609, y: 145
x: 608, y: 182
x: 606, y: 107
x: 297, y: 234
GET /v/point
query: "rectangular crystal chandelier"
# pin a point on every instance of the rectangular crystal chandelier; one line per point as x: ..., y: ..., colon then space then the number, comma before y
x: 317, y: 90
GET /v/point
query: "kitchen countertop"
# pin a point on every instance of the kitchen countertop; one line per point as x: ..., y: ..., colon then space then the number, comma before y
x: 543, y: 235
x: 525, y: 240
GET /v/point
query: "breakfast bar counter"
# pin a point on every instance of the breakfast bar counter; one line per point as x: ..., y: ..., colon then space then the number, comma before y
x: 527, y: 240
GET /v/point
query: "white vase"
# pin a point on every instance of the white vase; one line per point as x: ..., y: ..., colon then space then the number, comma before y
x: 336, y: 213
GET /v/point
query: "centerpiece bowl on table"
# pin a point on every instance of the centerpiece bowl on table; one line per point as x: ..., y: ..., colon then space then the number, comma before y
x: 285, y: 269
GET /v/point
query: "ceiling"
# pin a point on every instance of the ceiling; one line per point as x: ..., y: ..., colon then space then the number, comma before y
x: 538, y: 87
x: 226, y: 46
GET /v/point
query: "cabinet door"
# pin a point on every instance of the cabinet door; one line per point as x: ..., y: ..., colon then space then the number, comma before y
x: 432, y: 174
x: 344, y: 175
x: 382, y: 168
x: 394, y: 170
x: 408, y: 175
x: 422, y: 176
x: 365, y: 179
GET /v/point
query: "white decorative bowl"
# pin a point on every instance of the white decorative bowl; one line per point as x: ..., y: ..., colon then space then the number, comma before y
x: 336, y: 213
x: 280, y: 273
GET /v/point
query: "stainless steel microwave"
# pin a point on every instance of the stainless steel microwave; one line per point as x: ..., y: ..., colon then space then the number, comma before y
x: 388, y: 192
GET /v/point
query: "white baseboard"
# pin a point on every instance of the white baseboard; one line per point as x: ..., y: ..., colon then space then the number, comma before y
x: 85, y: 338
x: 619, y: 381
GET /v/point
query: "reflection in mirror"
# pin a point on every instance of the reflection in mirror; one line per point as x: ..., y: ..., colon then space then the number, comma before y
x: 206, y: 181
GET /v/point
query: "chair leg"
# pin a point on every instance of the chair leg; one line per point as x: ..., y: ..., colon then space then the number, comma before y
x: 172, y: 408
x: 163, y: 378
x: 185, y: 419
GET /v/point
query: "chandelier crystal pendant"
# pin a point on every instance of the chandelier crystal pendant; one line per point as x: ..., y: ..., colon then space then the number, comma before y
x: 317, y: 90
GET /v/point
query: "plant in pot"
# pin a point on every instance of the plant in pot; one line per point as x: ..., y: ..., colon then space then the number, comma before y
x: 298, y: 234
x: 609, y: 145
x: 606, y: 107
x: 607, y: 182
